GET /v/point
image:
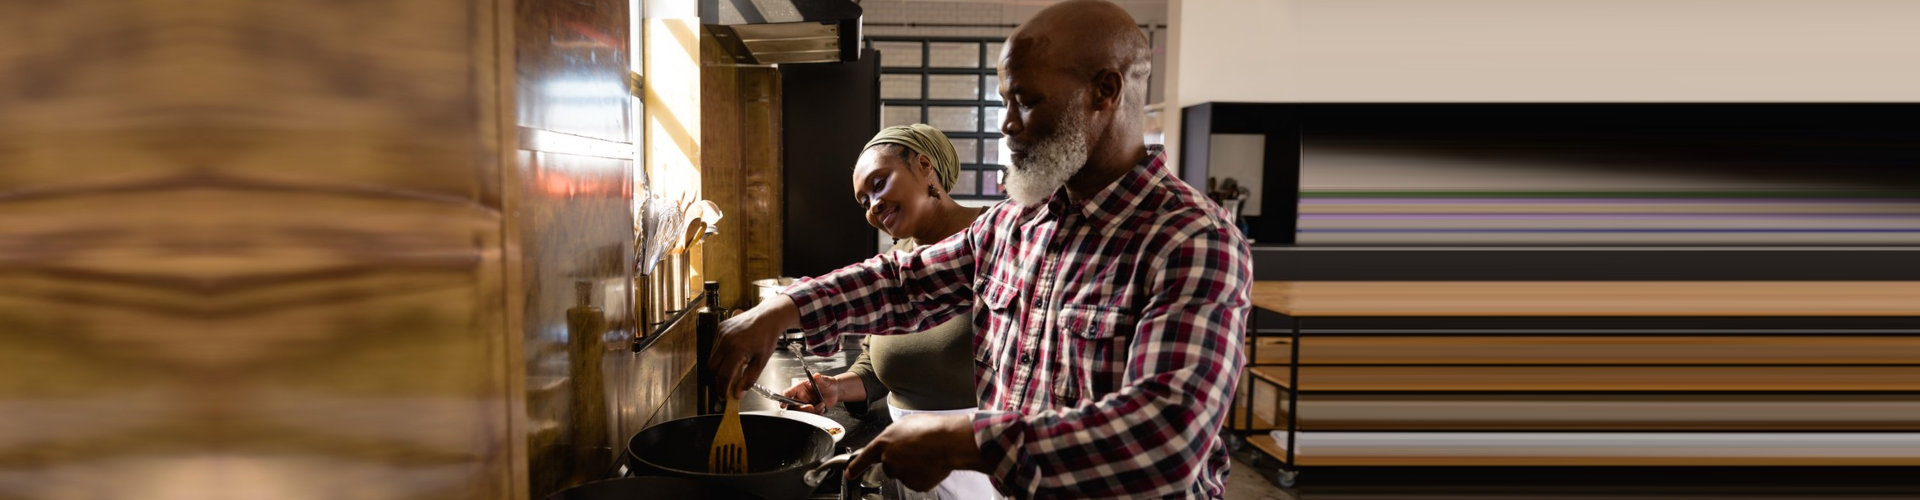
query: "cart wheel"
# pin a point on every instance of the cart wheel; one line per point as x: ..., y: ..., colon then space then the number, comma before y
x: 1286, y: 478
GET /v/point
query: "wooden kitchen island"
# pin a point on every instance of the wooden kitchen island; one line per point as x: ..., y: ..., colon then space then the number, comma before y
x: 1561, y: 373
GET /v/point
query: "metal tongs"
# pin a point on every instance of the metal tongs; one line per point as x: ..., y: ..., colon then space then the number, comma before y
x: 801, y: 357
x: 777, y: 397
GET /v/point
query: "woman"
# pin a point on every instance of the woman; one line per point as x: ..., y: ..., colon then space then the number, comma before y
x: 903, y: 179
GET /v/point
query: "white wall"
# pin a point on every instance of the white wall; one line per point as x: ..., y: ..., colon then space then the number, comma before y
x: 1541, y: 50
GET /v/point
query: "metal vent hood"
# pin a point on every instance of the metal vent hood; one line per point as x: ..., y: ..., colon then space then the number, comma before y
x: 784, y: 31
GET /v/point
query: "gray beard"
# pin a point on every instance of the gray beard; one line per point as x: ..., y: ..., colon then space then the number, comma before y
x: 1049, y: 163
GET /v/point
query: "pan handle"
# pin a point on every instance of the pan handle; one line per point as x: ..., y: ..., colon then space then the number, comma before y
x: 819, y: 473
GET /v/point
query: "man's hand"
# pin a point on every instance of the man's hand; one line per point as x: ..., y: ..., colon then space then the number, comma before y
x: 747, y: 341
x: 921, y: 450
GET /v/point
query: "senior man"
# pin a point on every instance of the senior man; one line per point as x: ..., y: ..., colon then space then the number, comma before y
x: 1109, y: 298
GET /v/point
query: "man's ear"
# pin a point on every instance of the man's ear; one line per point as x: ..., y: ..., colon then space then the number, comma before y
x: 1108, y: 87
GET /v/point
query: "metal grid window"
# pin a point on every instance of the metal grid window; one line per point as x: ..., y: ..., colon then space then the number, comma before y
x: 949, y: 83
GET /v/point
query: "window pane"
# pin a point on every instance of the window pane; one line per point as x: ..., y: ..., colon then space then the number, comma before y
x: 899, y: 86
x: 995, y: 116
x: 954, y: 55
x: 967, y: 150
x: 994, y: 155
x: 899, y: 115
x: 968, y: 185
x: 898, y: 54
x: 954, y: 118
x: 965, y: 87
x: 990, y: 88
x: 993, y: 53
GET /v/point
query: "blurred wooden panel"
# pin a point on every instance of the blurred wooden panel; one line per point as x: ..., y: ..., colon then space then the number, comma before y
x: 251, y: 249
x: 1593, y: 349
x: 1589, y: 298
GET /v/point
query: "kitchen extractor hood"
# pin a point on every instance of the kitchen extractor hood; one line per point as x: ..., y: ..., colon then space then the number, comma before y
x: 784, y: 31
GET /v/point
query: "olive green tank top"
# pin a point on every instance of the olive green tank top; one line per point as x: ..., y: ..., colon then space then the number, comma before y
x: 927, y: 370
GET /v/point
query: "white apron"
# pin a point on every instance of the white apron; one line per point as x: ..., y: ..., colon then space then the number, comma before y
x: 961, y: 484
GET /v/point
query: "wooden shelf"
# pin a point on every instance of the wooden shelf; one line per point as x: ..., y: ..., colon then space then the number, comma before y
x: 1839, y: 379
x: 1588, y: 298
x: 1606, y: 412
x: 1574, y: 350
x: 1457, y: 398
x: 1276, y: 375
x: 1271, y: 351
x: 1266, y: 444
x: 1261, y: 424
x: 1597, y: 449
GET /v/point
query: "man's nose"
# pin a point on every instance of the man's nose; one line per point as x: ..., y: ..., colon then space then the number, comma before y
x: 1011, y: 125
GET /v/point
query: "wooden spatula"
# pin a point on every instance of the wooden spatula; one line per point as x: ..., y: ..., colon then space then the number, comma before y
x: 729, y: 452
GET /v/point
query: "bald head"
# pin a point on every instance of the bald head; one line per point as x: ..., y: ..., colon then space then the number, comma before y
x: 1084, y: 38
x: 1074, y: 79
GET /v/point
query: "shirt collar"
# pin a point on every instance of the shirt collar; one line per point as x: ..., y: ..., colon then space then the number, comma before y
x: 1118, y: 198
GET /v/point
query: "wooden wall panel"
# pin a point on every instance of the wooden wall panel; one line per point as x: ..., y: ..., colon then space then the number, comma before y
x: 762, y: 210
x: 251, y: 249
x: 741, y: 172
x: 722, y: 133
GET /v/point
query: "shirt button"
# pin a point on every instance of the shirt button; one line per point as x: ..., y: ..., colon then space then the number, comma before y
x: 1026, y: 358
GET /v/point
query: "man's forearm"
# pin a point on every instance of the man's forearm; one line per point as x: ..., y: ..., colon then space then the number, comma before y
x: 780, y: 311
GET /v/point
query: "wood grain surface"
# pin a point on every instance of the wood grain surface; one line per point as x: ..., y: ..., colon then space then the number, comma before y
x: 252, y: 249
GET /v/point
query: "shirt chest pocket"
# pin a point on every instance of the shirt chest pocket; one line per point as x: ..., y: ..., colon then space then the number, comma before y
x: 1095, y: 340
x: 996, y: 302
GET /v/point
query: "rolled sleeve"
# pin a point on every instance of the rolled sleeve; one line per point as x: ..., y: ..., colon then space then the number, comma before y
x: 892, y: 293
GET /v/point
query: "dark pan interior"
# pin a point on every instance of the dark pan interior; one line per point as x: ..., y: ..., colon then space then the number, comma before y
x: 773, y: 443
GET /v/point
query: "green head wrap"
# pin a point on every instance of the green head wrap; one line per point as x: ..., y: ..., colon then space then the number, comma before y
x: 928, y: 141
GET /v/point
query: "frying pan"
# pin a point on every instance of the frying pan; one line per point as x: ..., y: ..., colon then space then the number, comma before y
x: 780, y: 451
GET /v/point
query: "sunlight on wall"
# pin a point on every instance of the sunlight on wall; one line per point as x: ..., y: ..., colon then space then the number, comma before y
x: 673, y: 105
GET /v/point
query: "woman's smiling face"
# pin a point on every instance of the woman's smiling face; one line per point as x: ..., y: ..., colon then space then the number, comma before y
x: 893, y: 189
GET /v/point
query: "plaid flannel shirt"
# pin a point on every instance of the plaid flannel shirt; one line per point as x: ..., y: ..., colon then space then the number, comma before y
x: 1108, y: 333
